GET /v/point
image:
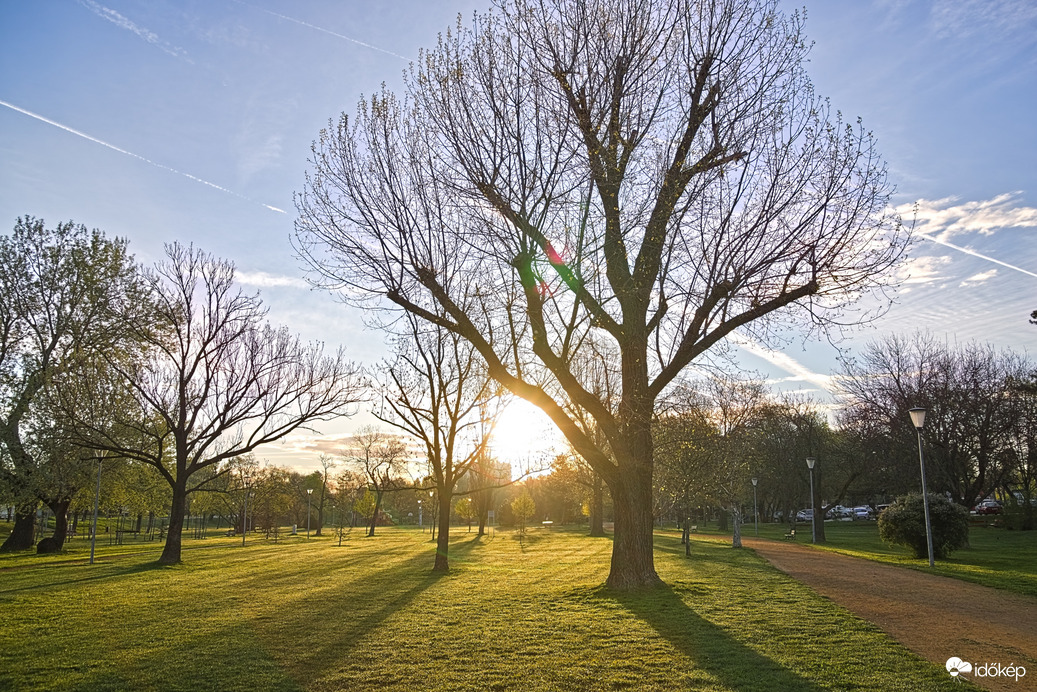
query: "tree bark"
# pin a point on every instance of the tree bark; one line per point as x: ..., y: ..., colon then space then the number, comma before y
x: 377, y: 510
x: 597, y: 514
x: 736, y: 537
x: 55, y: 542
x: 633, y: 560
x: 174, y: 537
x: 23, y: 531
x: 442, y: 563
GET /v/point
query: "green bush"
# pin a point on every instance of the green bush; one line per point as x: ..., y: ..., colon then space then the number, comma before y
x: 903, y: 523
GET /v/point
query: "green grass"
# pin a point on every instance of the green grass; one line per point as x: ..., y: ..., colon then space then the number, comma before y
x: 996, y: 557
x: 513, y: 614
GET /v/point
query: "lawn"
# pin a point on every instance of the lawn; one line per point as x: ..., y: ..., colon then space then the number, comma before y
x: 996, y: 557
x: 515, y: 613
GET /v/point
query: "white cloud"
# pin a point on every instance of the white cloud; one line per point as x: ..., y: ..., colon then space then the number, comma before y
x: 963, y: 18
x: 977, y: 279
x: 943, y: 218
x: 922, y: 270
x: 265, y: 280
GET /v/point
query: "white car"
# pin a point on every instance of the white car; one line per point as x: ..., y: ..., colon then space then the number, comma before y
x: 862, y: 513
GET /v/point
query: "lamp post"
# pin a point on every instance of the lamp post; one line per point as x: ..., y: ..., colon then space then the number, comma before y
x: 756, y: 513
x: 918, y: 420
x: 309, y: 495
x: 813, y: 508
x: 97, y: 495
x: 245, y: 478
x: 420, y: 525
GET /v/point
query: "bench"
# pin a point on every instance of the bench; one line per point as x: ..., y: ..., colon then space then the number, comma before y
x: 790, y: 536
x: 693, y: 528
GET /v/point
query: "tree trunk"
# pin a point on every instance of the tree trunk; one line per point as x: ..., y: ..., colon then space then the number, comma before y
x: 736, y: 537
x: 442, y: 563
x: 633, y: 561
x: 377, y: 510
x: 177, y: 511
x: 56, y: 541
x: 597, y: 514
x: 483, y: 518
x: 23, y: 531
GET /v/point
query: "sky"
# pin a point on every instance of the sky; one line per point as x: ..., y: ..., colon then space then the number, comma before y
x: 192, y: 120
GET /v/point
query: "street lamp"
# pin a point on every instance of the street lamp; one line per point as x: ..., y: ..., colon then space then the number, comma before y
x: 813, y: 508
x: 420, y: 525
x: 97, y: 495
x: 309, y: 494
x: 245, y: 478
x: 756, y: 513
x: 918, y: 420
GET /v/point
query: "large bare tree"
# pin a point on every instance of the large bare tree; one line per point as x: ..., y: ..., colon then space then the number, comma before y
x: 651, y: 174
x: 219, y: 381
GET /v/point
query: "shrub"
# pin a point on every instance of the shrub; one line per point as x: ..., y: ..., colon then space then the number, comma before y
x: 903, y: 523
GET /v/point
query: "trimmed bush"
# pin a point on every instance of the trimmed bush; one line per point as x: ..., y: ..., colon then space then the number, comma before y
x: 903, y: 523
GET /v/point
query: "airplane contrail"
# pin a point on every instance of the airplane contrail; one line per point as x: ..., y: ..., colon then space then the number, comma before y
x: 136, y: 156
x: 976, y: 254
x: 326, y: 31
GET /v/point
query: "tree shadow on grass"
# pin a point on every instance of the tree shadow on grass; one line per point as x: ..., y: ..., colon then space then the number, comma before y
x: 105, y: 574
x: 337, y: 622
x: 709, y: 647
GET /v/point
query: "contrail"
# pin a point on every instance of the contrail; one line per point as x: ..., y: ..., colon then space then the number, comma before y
x: 976, y: 254
x: 326, y: 31
x: 136, y: 156
x: 785, y: 362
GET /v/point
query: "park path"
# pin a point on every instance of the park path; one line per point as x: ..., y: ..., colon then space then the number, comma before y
x: 936, y: 617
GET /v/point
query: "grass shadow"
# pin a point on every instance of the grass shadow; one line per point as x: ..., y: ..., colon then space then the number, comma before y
x: 731, y: 662
x: 141, y: 568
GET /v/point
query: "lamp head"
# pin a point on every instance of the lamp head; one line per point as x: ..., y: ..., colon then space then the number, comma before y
x: 917, y: 417
x: 755, y: 481
x: 309, y: 491
x: 810, y: 462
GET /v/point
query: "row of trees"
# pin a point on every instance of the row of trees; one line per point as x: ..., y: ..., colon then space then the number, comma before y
x: 715, y: 436
x: 170, y: 367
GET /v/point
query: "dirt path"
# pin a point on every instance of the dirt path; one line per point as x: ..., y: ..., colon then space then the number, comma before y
x: 936, y: 617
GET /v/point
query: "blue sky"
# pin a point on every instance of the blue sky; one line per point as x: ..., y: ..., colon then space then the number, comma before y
x: 192, y: 120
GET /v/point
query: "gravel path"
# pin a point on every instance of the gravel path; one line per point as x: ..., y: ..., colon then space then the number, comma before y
x: 936, y: 617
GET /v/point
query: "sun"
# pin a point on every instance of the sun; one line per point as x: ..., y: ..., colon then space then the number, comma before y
x: 525, y: 435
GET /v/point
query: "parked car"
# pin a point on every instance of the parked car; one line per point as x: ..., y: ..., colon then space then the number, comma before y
x: 862, y: 513
x: 840, y: 512
x: 988, y: 507
x: 804, y: 515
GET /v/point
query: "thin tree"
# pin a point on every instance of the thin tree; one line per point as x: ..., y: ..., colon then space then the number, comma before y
x: 219, y: 382
x: 382, y: 460
x: 439, y: 393
x: 655, y: 174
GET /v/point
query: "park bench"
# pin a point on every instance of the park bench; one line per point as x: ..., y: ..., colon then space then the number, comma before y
x: 693, y: 528
x: 790, y: 536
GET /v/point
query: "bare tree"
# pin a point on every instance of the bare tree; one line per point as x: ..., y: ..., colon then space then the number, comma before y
x: 382, y: 459
x: 973, y: 411
x: 655, y: 174
x: 439, y: 393
x: 218, y: 382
